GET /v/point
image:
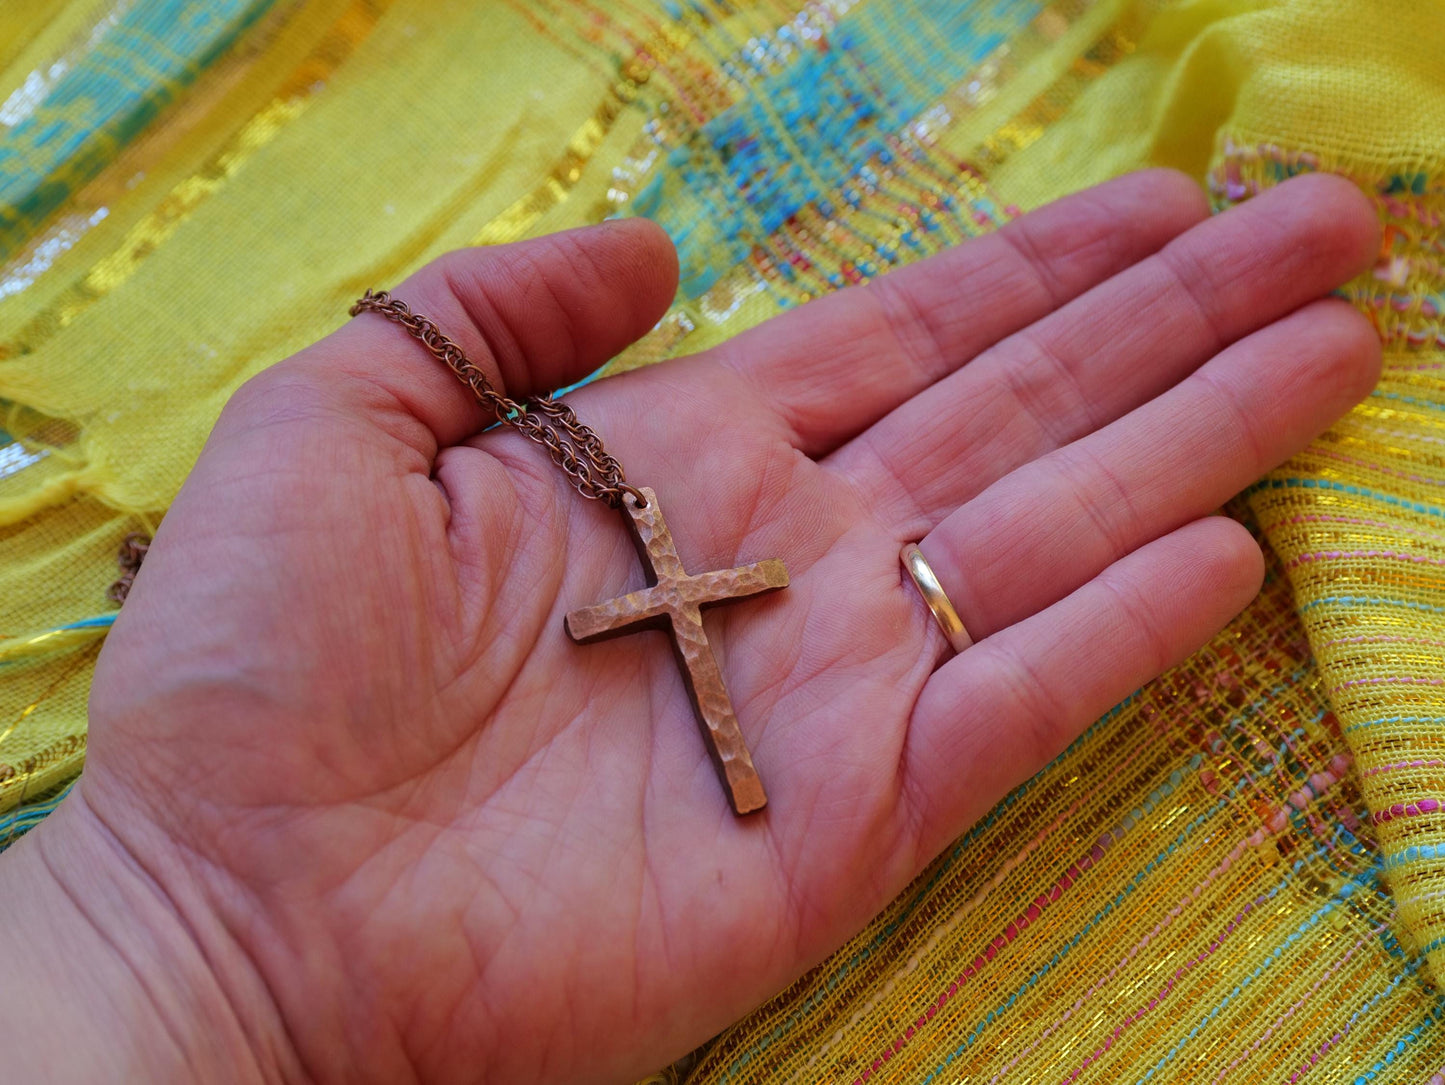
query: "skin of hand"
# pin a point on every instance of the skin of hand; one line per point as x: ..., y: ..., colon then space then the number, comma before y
x: 357, y: 809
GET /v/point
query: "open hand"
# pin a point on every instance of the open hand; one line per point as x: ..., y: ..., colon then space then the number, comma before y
x: 393, y: 824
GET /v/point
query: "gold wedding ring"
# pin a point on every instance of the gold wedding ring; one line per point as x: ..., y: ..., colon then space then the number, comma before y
x: 932, y: 592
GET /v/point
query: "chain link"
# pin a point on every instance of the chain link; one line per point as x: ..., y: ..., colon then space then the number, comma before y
x: 574, y: 447
x: 132, y: 553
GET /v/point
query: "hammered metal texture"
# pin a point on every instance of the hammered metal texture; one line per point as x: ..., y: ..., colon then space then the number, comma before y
x: 674, y: 602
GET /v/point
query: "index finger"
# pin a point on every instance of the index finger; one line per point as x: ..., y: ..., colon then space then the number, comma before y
x: 835, y: 366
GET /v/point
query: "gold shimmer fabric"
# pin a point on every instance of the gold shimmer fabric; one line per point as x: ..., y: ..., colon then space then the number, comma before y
x: 1239, y: 873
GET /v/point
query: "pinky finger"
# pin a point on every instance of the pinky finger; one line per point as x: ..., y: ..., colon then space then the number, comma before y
x: 997, y: 713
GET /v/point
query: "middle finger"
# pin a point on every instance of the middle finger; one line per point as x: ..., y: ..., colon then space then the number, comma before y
x: 1117, y: 346
x: 1052, y: 525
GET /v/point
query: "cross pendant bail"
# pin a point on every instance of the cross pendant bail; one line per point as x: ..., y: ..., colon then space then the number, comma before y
x: 673, y: 601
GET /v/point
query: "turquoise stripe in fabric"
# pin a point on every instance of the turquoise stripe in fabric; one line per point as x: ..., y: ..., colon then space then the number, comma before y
x: 811, y: 127
x: 146, y: 53
x: 1431, y: 1020
x: 1365, y: 878
x: 1371, y: 600
x: 1341, y: 487
x: 1365, y: 724
x: 1414, y: 401
x: 1413, y: 854
x: 101, y: 621
x: 98, y: 622
x: 18, y: 822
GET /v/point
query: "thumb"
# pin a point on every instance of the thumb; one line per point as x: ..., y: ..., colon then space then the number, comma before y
x: 533, y: 316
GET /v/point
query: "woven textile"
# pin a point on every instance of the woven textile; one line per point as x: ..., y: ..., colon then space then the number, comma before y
x: 1237, y: 874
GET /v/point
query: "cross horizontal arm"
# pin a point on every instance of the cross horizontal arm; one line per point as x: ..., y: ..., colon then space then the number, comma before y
x: 675, y: 601
x: 625, y: 614
x: 745, y: 581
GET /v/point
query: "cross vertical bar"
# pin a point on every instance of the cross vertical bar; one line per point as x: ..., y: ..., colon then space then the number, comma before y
x: 674, y: 601
x: 714, y: 708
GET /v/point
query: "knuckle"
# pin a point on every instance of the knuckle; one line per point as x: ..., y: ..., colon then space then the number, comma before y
x: 459, y: 291
x: 1232, y: 560
x: 1166, y: 182
x: 1045, y: 724
x: 1353, y: 346
x: 1333, y: 219
x: 1104, y: 499
x: 1134, y: 614
x: 1034, y: 261
x: 1238, y: 424
x: 913, y: 327
x: 1046, y: 385
x: 1193, y: 279
x: 289, y: 391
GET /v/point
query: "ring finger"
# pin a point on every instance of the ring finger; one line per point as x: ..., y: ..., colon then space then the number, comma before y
x: 1046, y: 528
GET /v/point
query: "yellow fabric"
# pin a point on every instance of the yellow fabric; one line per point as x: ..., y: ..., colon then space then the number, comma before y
x: 1244, y: 915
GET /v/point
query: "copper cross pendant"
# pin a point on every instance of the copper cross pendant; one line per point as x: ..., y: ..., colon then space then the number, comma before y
x: 674, y: 602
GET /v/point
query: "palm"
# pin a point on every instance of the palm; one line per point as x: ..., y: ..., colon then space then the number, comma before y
x: 451, y: 836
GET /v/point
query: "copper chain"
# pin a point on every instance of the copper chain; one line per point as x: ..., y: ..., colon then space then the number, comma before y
x: 572, y: 445
x: 132, y: 553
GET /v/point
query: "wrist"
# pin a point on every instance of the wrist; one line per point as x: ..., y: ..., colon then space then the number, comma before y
x: 108, y: 979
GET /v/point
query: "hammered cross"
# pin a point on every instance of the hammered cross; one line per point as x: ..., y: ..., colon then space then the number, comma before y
x: 674, y: 602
